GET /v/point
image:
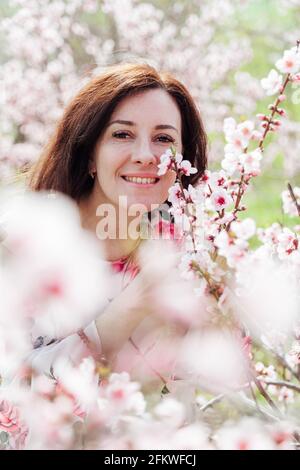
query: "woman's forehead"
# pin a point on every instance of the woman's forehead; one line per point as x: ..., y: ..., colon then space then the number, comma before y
x: 148, y: 105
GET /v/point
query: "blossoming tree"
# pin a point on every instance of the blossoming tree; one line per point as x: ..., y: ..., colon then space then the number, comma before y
x: 234, y: 308
x: 49, y: 47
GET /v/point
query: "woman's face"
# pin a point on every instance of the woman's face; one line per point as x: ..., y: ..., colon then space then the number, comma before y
x: 140, y: 130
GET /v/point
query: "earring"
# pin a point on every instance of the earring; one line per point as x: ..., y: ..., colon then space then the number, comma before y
x: 92, y: 174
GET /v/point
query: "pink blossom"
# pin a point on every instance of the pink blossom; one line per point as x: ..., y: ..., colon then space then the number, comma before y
x: 208, y: 370
x: 293, y: 356
x: 196, y: 194
x: 246, y: 128
x: 227, y: 218
x: 170, y: 411
x: 244, y: 229
x: 188, y: 266
x: 229, y: 125
x: 270, y: 235
x: 220, y: 199
x: 282, y: 435
x: 181, y: 218
x: 286, y: 395
x: 246, y: 434
x: 272, y: 83
x: 175, y: 194
x: 256, y: 135
x: 165, y: 163
x: 236, y: 142
x: 204, y: 179
x: 79, y: 383
x: 190, y: 262
x: 50, y: 288
x: 10, y: 422
x: 265, y: 371
x: 218, y: 179
x: 289, y: 206
x: 121, y: 395
x: 296, y: 78
x: 231, y: 163
x: 9, y: 417
x: 237, y: 136
x: 186, y: 168
x: 290, y: 62
x: 234, y: 250
x: 251, y: 162
x: 288, y: 242
x: 178, y: 158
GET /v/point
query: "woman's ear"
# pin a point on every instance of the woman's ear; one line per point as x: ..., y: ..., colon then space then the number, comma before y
x: 92, y: 168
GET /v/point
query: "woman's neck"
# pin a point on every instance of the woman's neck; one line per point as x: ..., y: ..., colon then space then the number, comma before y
x: 114, y: 246
x: 117, y: 249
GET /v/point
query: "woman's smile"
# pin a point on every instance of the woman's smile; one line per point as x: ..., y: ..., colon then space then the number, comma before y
x: 141, y: 180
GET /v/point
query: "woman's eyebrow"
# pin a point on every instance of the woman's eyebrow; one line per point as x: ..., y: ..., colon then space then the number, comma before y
x: 130, y: 123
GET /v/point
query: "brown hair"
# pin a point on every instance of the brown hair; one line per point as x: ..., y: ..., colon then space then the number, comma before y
x: 64, y: 164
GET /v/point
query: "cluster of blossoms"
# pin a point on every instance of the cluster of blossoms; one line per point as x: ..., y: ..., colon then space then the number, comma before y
x: 269, y: 376
x: 50, y: 45
x: 54, y: 275
x: 291, y: 201
x: 281, y: 241
x: 81, y: 414
x: 289, y: 64
x: 85, y: 405
x: 247, y: 286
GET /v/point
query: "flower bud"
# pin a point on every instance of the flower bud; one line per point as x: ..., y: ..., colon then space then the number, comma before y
x: 282, y: 112
x: 296, y: 78
x: 262, y: 117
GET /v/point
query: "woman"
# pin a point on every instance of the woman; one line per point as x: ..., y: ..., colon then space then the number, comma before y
x: 104, y: 155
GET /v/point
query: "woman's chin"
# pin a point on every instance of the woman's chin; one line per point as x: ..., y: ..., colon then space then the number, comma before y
x: 138, y: 205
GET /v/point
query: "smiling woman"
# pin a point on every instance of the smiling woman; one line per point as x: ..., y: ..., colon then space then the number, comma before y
x: 114, y: 132
x: 105, y: 155
x: 127, y: 154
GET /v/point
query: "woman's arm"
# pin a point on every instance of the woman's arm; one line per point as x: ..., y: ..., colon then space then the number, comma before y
x: 123, y: 315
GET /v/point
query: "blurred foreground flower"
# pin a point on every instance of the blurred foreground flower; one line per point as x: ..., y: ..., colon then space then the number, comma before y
x: 52, y: 279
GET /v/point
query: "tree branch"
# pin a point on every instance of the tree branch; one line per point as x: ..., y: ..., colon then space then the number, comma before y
x: 294, y: 198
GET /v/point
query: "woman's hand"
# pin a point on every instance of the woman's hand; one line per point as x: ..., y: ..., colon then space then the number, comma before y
x: 123, y: 315
x: 126, y: 311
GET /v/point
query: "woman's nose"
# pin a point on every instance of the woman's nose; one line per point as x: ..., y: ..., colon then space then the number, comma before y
x: 142, y: 153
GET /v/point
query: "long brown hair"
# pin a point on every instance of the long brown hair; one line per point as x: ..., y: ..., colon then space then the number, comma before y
x: 64, y: 164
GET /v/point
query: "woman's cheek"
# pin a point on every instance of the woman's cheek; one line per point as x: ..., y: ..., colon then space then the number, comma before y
x: 168, y: 182
x: 171, y: 178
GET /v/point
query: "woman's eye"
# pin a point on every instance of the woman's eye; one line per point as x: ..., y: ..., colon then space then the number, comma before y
x: 166, y: 138
x: 123, y: 135
x: 120, y: 135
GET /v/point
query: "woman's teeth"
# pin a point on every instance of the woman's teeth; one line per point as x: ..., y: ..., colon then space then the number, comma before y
x: 134, y: 179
